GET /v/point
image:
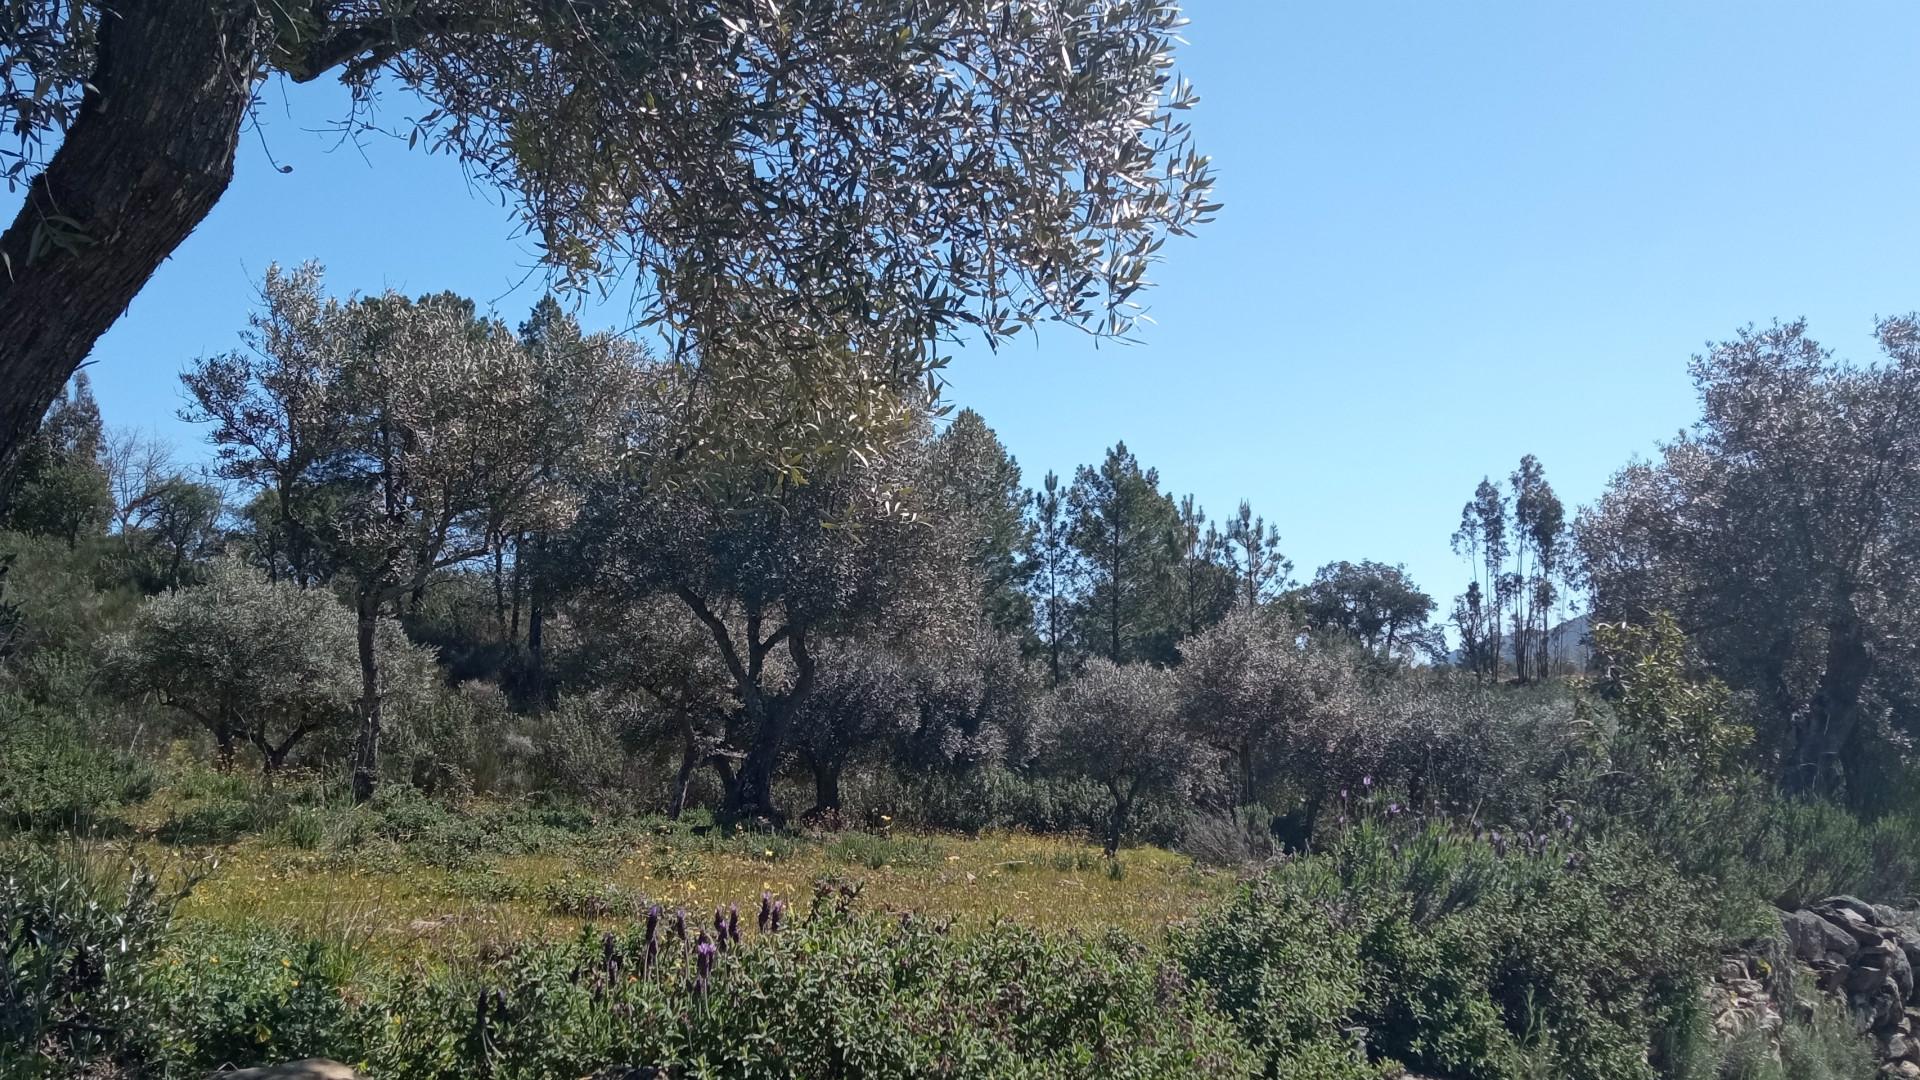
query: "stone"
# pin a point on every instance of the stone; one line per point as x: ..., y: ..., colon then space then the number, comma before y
x: 309, y: 1069
x: 1814, y: 939
x: 1906, y: 1070
x: 1859, y: 908
x: 1902, y: 1047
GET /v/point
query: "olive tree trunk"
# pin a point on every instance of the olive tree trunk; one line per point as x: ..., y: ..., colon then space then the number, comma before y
x: 149, y: 154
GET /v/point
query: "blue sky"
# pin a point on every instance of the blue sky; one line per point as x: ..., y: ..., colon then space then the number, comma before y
x: 1454, y: 233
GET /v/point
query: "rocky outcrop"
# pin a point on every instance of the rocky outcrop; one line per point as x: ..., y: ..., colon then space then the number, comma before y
x: 1862, y: 956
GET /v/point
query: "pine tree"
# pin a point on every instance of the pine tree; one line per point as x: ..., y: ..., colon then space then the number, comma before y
x: 1124, y: 528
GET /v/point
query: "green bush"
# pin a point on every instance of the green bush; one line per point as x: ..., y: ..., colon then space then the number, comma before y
x: 830, y: 995
x: 79, y: 939
x: 50, y: 778
x: 1489, y: 957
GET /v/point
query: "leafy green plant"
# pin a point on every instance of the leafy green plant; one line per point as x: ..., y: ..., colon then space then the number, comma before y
x: 79, y: 936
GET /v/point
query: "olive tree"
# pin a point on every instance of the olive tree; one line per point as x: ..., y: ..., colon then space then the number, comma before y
x: 863, y: 698
x: 1783, y: 534
x: 1267, y: 698
x: 1120, y: 727
x: 391, y: 435
x: 778, y: 178
x: 772, y: 562
x: 250, y: 660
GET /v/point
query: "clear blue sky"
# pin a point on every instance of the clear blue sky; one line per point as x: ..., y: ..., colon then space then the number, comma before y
x: 1455, y: 233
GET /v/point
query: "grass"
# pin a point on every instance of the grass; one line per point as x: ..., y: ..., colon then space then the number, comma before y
x: 417, y: 878
x: 382, y: 897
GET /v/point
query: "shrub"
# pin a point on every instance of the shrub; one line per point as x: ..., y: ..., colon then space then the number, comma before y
x: 831, y: 995
x: 1484, y: 957
x: 78, y: 937
x: 53, y: 780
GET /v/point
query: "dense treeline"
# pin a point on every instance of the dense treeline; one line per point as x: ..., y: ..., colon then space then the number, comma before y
x: 402, y: 481
x: 439, y: 562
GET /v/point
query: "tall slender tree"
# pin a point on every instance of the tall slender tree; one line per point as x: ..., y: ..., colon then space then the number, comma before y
x: 975, y: 483
x: 1263, y: 570
x: 1206, y: 583
x: 1124, y: 529
x: 1056, y: 571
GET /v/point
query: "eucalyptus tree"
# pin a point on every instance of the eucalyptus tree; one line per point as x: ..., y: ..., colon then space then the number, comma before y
x: 1119, y: 725
x: 1263, y: 570
x: 1482, y: 540
x: 251, y: 660
x: 780, y: 178
x: 389, y: 432
x: 1539, y: 528
x: 1783, y: 534
x: 1124, y: 529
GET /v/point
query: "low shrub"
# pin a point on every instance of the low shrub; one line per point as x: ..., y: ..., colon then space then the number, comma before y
x: 79, y: 937
x: 1488, y: 957
x: 829, y: 995
x: 52, y: 778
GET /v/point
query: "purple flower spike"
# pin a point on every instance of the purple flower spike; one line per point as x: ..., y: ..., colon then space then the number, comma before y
x: 653, y: 922
x: 733, y: 924
x: 1393, y: 808
x: 703, y: 954
x: 766, y: 911
x: 779, y: 909
x: 680, y: 923
x: 1367, y: 780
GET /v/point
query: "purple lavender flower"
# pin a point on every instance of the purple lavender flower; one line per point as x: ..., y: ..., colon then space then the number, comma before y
x: 703, y: 954
x: 766, y: 911
x: 1367, y: 780
x: 680, y: 923
x: 773, y: 920
x: 1393, y: 808
x: 733, y: 924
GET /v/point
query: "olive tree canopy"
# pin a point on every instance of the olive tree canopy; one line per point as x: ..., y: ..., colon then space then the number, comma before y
x: 813, y: 178
x: 1783, y: 534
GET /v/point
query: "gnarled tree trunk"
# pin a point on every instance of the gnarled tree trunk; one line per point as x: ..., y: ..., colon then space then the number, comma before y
x: 148, y: 156
x: 1824, y: 736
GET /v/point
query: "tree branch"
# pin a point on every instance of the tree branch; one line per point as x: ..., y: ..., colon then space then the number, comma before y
x: 719, y: 628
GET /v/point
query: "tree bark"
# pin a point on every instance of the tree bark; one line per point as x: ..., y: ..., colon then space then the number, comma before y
x: 689, y: 762
x: 1117, y: 824
x: 826, y: 786
x: 1821, y: 763
x: 148, y: 156
x: 755, y: 794
x: 366, y: 748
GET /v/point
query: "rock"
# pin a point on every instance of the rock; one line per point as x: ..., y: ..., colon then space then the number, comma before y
x: 1890, y: 916
x: 1733, y: 969
x: 1906, y: 1070
x: 1901, y: 1048
x: 1815, y: 939
x: 310, y: 1069
x: 1858, y: 907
